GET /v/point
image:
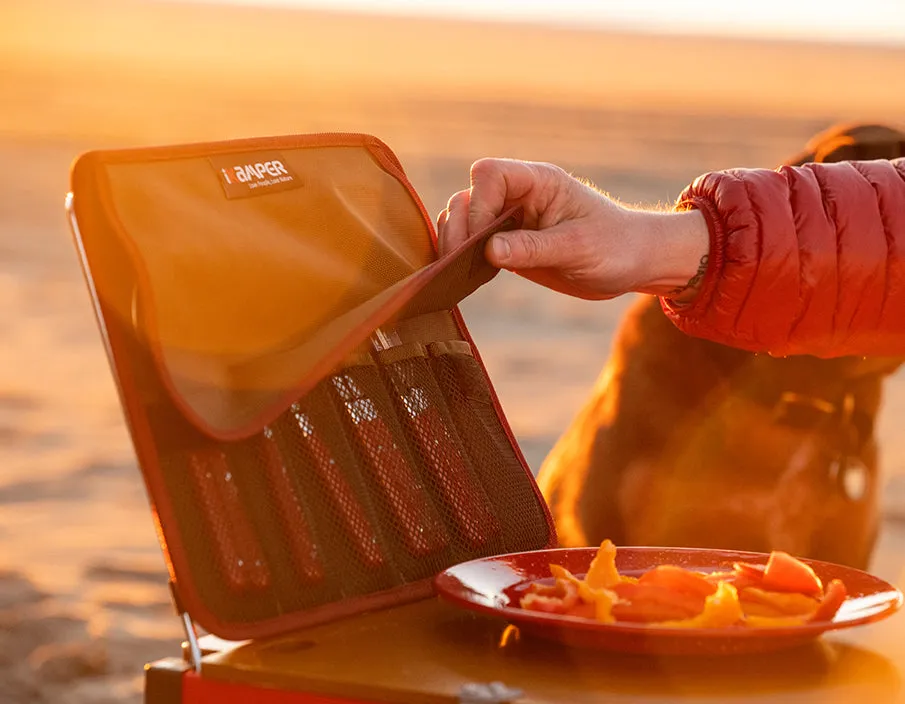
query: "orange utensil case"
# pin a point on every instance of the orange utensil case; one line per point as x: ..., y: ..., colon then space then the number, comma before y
x: 315, y: 428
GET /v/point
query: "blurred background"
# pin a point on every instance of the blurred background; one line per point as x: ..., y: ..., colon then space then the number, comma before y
x: 639, y: 97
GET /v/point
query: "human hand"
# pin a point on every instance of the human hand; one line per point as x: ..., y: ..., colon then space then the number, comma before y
x: 574, y: 239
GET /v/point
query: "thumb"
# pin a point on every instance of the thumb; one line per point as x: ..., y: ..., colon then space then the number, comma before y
x: 551, y: 248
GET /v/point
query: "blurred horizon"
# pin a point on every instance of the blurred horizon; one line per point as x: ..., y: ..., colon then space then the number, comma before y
x: 177, y: 70
x: 867, y: 22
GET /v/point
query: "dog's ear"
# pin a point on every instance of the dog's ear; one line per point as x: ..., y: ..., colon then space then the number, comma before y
x: 851, y: 142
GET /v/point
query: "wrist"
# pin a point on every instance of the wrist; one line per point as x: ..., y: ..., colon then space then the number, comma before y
x: 674, y: 252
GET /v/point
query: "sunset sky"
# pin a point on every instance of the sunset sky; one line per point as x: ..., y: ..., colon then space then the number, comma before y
x: 864, y: 20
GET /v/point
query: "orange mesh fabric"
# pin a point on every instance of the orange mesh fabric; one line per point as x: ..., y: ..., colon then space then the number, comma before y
x: 302, y: 464
x: 245, y: 302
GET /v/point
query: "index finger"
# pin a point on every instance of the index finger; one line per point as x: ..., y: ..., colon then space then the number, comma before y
x: 452, y: 224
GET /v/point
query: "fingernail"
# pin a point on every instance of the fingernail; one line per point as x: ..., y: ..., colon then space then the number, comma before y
x: 501, y: 248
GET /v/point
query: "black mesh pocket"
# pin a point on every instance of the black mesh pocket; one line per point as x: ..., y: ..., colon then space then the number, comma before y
x: 384, y: 474
x: 413, y: 525
x: 354, y: 552
x: 225, y: 553
x: 236, y: 549
x: 515, y: 500
x: 444, y: 463
x: 281, y: 515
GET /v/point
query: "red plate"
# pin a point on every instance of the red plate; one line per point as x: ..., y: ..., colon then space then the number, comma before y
x: 493, y: 586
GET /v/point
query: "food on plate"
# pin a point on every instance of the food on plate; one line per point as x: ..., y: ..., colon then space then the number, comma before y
x: 783, y: 592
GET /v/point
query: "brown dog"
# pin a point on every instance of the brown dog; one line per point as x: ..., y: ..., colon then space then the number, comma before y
x: 685, y: 442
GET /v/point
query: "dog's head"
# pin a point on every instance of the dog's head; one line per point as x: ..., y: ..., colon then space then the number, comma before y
x: 850, y: 142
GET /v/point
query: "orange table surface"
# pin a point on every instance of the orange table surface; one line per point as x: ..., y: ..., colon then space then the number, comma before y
x: 425, y: 652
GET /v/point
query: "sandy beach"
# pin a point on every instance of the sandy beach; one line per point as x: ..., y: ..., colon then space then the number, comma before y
x: 83, y: 599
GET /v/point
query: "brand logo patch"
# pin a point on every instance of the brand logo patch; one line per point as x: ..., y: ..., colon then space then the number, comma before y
x: 253, y: 174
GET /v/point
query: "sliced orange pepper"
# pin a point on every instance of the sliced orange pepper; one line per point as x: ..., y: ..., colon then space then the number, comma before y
x: 716, y: 577
x: 544, y: 589
x: 583, y: 610
x: 678, y: 579
x: 753, y: 621
x: 600, y: 601
x: 784, y: 573
x: 558, y: 600
x: 603, y: 573
x: 747, y: 575
x: 782, y: 603
x: 784, y: 592
x: 833, y: 598
x: 648, y: 603
x: 603, y: 600
x: 560, y: 572
x: 754, y: 572
x: 721, y: 609
x: 754, y: 608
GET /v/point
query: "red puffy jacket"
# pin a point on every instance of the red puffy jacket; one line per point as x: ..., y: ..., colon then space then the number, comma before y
x: 803, y: 260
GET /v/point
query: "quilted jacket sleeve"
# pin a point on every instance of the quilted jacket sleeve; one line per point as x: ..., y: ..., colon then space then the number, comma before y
x: 803, y: 260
